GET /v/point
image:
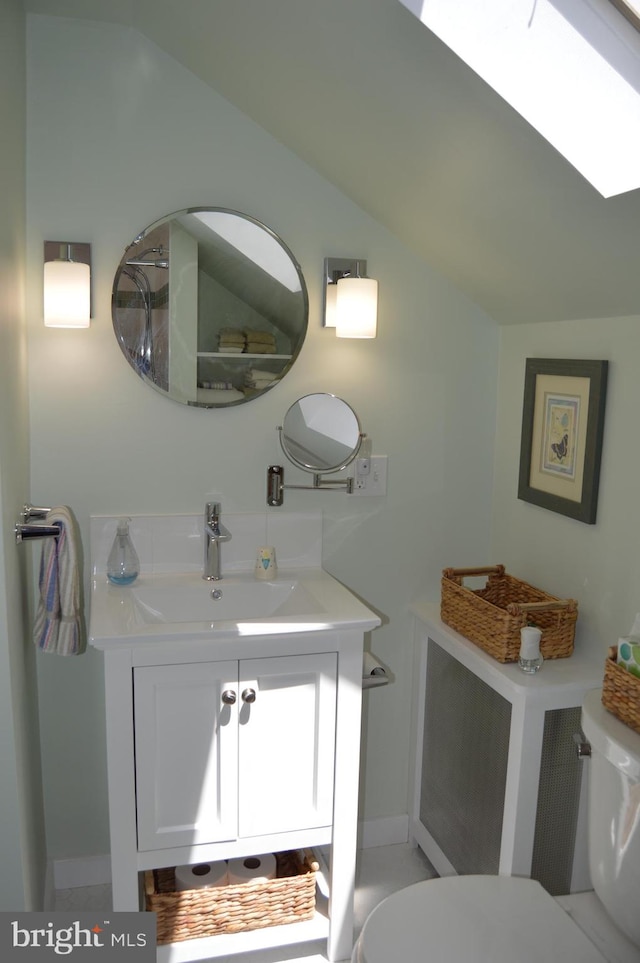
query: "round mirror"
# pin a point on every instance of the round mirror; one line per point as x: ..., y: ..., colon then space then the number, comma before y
x: 320, y: 433
x: 209, y: 307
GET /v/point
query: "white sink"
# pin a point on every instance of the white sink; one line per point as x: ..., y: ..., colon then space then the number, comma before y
x: 160, y: 606
x: 221, y: 601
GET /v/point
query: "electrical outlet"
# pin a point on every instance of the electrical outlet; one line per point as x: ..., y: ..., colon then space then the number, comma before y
x: 370, y: 476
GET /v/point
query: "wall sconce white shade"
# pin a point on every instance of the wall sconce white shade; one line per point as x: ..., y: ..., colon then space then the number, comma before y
x: 356, y: 307
x: 67, y: 292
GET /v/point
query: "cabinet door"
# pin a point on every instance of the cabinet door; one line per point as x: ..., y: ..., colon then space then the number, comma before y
x: 286, y: 743
x: 186, y: 743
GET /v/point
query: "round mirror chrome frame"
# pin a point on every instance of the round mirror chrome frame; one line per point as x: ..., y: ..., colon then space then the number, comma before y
x: 320, y: 467
x: 142, y: 286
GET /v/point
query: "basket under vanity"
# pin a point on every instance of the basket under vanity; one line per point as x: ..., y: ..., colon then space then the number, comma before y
x: 498, y: 784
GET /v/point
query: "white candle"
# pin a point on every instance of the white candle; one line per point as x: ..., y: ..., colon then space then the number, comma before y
x: 530, y: 642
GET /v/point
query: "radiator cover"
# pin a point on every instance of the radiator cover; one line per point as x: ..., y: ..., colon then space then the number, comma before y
x: 463, y: 765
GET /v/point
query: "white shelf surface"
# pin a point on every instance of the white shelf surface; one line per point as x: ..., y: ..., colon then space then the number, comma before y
x: 555, y: 686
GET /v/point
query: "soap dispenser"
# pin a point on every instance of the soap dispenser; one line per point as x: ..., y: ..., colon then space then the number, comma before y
x: 123, y: 564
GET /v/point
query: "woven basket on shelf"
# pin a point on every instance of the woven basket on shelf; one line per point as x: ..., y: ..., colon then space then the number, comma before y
x: 492, y: 616
x: 193, y: 913
x: 621, y: 692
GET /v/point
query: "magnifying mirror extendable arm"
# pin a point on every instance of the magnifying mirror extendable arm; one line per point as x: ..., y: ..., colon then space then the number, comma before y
x: 276, y: 486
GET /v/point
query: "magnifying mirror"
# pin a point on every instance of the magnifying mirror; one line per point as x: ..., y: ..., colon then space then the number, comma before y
x: 320, y: 434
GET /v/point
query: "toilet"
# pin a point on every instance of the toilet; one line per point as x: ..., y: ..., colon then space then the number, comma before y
x: 503, y: 919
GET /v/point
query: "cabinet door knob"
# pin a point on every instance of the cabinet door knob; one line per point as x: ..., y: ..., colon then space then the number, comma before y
x: 249, y: 695
x: 228, y: 697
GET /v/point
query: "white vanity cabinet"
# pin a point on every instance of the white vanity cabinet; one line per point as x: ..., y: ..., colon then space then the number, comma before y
x: 233, y: 749
x: 232, y: 718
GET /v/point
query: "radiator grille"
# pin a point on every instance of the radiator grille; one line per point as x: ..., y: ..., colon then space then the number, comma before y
x: 464, y: 771
x: 558, y: 802
x: 464, y: 764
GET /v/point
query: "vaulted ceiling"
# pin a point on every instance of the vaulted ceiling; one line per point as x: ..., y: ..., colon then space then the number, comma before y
x: 371, y: 99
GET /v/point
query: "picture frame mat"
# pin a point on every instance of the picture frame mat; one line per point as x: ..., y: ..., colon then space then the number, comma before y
x: 546, y: 481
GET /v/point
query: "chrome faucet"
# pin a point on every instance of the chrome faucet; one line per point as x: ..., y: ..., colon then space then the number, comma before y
x: 214, y: 534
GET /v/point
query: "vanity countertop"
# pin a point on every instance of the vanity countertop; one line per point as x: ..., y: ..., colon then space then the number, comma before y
x: 170, y: 606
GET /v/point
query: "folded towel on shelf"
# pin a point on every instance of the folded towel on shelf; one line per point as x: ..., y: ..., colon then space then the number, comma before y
x: 258, y: 378
x: 217, y: 385
x: 58, y: 625
x: 231, y: 340
x: 254, y: 373
x: 260, y: 347
x: 260, y: 337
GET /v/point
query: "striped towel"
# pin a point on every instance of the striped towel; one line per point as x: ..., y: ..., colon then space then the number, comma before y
x: 58, y: 624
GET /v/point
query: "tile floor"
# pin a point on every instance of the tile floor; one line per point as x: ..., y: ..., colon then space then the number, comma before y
x: 381, y: 871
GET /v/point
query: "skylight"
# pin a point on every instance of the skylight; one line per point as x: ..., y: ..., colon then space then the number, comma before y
x: 255, y: 243
x: 571, y: 68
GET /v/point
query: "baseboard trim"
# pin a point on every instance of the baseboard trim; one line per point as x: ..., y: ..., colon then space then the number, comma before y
x: 95, y: 870
x: 386, y: 831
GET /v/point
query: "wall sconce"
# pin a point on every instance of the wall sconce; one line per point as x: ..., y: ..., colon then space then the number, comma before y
x: 67, y: 284
x: 350, y: 298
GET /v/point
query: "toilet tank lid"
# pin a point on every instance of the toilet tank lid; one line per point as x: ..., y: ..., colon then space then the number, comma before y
x: 611, y: 737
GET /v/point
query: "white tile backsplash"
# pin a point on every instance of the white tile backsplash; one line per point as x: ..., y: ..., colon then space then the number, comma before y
x: 175, y: 543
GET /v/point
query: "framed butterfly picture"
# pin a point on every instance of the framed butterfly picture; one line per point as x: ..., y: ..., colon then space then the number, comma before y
x: 562, y: 430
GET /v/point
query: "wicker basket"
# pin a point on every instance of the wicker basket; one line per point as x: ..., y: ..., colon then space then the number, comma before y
x: 621, y: 692
x: 193, y: 913
x: 492, y: 616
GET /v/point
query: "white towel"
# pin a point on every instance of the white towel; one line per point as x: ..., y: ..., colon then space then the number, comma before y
x: 58, y: 624
x: 258, y: 378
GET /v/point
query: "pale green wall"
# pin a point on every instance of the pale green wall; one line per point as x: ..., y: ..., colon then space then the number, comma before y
x: 118, y: 135
x: 599, y: 564
x: 21, y: 814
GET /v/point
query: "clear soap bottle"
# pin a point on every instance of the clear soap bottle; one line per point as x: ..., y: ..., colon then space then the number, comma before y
x: 123, y: 564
